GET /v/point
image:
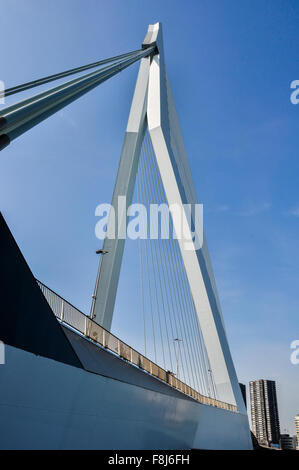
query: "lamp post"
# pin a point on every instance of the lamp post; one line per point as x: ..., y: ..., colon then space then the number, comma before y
x: 98, y: 252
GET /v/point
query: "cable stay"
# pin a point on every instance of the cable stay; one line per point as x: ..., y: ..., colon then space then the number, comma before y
x: 169, y: 324
x: 66, y: 73
x: 17, y: 119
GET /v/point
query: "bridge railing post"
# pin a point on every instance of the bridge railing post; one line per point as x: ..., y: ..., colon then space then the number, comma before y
x: 85, y: 326
x: 62, y: 311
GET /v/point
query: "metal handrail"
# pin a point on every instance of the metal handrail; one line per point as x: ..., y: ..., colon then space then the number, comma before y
x: 66, y: 313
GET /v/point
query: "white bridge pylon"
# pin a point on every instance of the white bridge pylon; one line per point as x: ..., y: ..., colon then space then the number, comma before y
x: 153, y: 108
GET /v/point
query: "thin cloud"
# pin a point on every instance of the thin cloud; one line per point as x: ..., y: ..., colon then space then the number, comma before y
x: 67, y: 118
x: 217, y: 209
x: 255, y: 210
x: 222, y: 208
x: 294, y: 212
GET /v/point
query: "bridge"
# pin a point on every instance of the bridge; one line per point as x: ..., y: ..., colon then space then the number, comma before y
x: 184, y: 383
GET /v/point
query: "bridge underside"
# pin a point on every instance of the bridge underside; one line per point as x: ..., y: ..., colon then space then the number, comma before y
x: 68, y: 393
x: 47, y: 404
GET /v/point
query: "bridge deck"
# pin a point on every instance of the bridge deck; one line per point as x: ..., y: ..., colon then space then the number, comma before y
x: 69, y: 315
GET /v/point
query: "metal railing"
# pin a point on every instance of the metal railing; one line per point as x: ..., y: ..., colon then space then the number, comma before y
x: 71, y: 316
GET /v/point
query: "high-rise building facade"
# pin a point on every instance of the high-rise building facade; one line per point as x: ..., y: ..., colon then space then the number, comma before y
x: 287, y: 442
x: 297, y: 430
x: 264, y: 411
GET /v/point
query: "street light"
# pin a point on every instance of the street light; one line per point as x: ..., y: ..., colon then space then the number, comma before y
x: 101, y: 252
x: 98, y: 252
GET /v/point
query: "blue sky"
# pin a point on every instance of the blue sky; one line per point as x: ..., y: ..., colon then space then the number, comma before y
x: 230, y: 64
